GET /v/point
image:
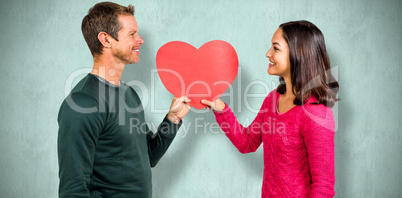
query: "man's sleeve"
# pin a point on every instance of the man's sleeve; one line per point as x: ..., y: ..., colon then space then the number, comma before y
x: 159, y: 142
x: 80, y: 124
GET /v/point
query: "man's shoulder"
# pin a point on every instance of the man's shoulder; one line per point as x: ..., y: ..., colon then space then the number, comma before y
x: 83, y: 98
x: 88, y: 86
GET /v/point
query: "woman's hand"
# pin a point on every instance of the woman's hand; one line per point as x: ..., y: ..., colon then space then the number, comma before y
x: 217, y: 105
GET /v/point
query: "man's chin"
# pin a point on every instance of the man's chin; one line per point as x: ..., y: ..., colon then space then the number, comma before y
x: 134, y: 61
x: 131, y: 62
x: 128, y: 61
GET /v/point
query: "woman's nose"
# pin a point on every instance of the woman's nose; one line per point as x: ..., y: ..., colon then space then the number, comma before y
x: 268, y: 54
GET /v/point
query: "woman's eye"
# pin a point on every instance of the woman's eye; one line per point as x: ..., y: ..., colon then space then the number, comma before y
x: 276, y: 49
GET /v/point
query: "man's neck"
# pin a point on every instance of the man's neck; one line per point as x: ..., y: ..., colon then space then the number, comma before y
x: 108, y: 69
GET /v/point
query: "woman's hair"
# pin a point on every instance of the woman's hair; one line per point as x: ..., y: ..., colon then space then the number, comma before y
x: 309, y: 64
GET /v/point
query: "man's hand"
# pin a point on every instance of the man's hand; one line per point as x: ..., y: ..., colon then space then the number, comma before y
x: 178, y: 109
x: 217, y: 105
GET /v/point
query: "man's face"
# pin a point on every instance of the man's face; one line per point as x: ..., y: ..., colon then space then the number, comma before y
x: 127, y: 49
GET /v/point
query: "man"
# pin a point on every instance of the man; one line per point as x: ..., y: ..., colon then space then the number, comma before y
x: 105, y: 148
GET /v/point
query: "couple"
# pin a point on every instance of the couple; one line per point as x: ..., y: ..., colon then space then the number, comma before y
x: 100, y: 155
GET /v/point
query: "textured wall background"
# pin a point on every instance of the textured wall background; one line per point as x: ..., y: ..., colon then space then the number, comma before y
x: 42, y: 48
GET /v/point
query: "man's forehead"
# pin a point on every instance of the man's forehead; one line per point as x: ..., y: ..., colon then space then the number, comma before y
x: 128, y: 22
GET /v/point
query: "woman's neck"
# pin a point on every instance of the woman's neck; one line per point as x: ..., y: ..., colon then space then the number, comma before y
x: 289, y: 90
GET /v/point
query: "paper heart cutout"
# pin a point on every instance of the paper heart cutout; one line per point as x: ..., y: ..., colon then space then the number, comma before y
x: 204, y: 73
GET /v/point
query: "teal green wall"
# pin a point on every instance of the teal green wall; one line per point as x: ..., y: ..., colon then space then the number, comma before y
x: 42, y: 46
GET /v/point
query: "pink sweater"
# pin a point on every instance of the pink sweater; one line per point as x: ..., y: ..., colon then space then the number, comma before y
x: 298, y: 147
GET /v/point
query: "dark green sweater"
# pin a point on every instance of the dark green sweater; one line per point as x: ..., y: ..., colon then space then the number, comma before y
x: 105, y: 148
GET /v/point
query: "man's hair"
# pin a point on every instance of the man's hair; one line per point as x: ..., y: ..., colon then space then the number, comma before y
x: 309, y: 64
x: 103, y: 17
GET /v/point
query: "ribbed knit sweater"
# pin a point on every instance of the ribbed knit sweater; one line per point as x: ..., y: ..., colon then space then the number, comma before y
x: 298, y: 147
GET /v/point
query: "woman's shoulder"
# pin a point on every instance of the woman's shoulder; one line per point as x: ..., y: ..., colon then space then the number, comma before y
x: 311, y: 105
x: 272, y: 95
x: 318, y: 113
x: 271, y: 98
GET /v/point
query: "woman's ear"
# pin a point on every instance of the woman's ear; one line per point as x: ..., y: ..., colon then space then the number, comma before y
x: 105, y: 39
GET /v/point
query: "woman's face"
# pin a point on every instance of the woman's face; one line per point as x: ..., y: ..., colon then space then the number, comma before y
x: 278, y: 56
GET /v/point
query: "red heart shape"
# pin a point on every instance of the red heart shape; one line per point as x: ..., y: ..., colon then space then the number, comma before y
x: 203, y: 73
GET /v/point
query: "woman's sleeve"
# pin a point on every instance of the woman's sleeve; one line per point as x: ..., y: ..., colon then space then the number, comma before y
x: 318, y: 132
x: 246, y: 140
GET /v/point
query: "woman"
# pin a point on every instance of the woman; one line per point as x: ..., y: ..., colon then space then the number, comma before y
x: 295, y: 122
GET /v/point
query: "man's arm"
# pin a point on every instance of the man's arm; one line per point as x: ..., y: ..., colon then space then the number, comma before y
x: 159, y: 142
x: 77, y: 138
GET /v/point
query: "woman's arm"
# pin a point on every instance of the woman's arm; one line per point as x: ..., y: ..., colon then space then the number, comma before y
x: 244, y: 139
x: 318, y: 133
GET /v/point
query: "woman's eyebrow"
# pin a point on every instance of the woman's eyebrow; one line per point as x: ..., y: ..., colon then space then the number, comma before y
x: 276, y: 43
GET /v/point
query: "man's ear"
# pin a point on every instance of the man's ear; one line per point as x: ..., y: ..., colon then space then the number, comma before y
x: 105, y: 39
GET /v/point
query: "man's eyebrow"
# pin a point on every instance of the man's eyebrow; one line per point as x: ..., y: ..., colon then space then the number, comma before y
x: 276, y: 43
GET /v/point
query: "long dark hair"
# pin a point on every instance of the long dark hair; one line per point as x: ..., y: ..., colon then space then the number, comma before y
x: 309, y: 64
